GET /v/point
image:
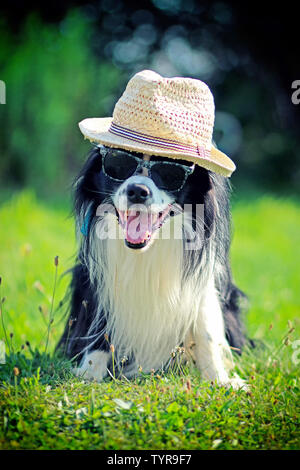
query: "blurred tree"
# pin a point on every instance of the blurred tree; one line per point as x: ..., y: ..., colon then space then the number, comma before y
x: 53, y: 80
x: 247, y: 53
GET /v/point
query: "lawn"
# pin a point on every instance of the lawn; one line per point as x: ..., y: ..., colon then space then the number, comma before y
x: 43, y: 406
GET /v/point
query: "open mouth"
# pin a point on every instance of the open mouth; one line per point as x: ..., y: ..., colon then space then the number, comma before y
x: 139, y: 226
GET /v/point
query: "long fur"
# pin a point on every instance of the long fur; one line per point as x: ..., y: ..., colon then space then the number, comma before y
x: 145, y: 304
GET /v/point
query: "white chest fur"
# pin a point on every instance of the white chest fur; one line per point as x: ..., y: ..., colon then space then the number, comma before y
x: 150, y: 310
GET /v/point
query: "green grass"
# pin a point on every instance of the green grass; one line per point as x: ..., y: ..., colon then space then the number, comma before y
x: 31, y: 236
x: 43, y: 406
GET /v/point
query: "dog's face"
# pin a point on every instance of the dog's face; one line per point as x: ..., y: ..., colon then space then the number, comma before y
x: 145, y: 191
x: 142, y: 209
x: 143, y: 204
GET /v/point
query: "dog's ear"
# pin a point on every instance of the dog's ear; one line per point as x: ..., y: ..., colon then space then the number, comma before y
x: 92, y: 165
x: 84, y: 190
x: 216, y: 199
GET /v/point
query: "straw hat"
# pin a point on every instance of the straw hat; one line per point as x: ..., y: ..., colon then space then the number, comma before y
x: 172, y: 117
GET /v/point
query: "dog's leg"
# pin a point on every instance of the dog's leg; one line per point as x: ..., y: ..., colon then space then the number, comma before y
x: 211, y: 350
x: 93, y: 365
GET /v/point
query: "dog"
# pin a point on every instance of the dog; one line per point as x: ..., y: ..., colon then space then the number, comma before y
x: 153, y: 271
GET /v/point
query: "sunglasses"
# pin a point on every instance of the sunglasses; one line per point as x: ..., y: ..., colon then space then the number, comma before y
x: 120, y: 165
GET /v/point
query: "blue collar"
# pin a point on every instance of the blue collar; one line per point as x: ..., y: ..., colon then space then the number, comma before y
x: 86, y: 223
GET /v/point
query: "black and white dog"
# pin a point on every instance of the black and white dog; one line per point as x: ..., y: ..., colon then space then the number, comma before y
x: 153, y: 270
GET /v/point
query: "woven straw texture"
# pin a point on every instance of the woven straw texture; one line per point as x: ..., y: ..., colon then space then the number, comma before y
x: 171, y: 117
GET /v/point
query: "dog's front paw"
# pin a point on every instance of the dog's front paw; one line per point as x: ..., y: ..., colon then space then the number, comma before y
x: 93, y: 366
x: 236, y: 383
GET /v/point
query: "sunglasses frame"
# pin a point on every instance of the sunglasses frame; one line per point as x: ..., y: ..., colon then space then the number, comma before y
x: 188, y: 170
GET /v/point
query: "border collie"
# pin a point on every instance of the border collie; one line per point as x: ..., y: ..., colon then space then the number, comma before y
x: 153, y: 271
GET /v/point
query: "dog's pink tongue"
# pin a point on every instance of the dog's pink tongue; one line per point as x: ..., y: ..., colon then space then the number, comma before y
x: 138, y: 227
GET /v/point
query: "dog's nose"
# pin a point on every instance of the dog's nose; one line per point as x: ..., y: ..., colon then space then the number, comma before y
x: 138, y: 193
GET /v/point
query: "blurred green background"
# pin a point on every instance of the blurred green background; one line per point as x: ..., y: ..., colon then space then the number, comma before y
x: 71, y: 60
x: 64, y: 61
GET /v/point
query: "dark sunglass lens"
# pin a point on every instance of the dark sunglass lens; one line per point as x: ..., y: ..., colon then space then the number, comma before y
x: 168, y: 177
x: 119, y: 165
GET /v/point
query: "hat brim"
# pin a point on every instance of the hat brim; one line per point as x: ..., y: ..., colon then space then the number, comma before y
x: 97, y: 130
